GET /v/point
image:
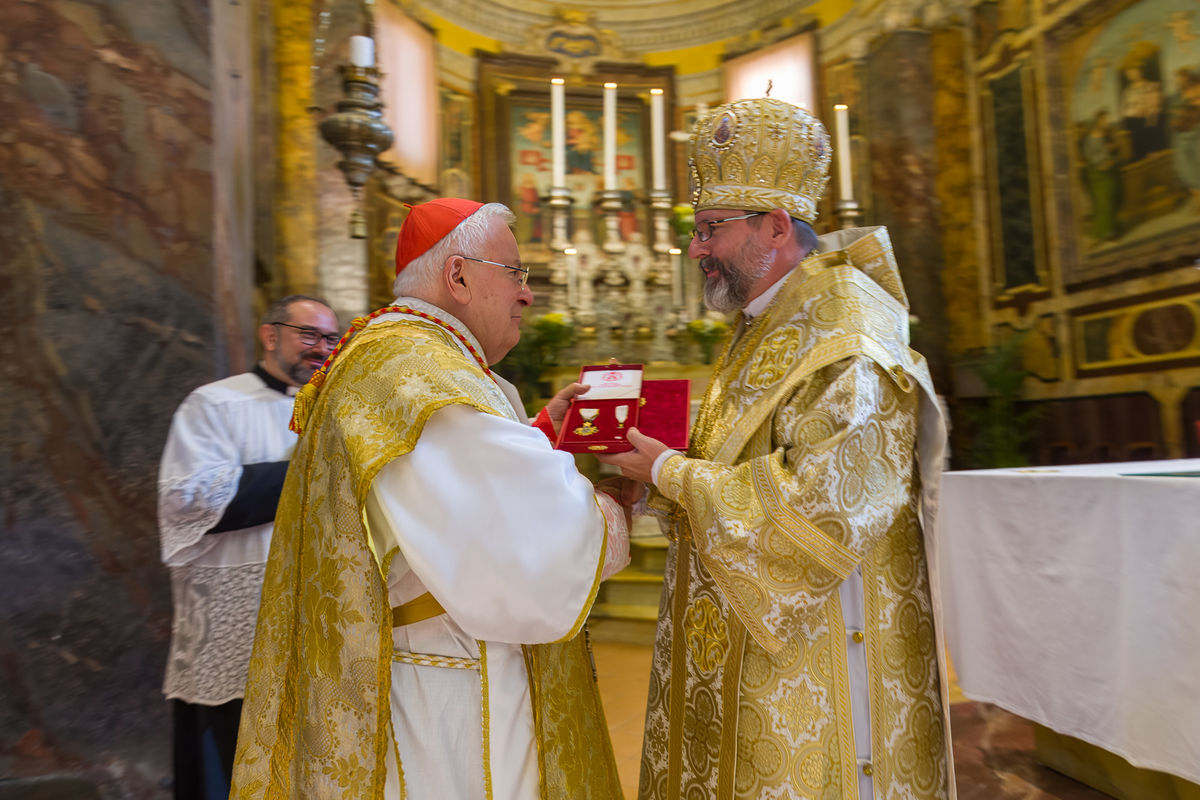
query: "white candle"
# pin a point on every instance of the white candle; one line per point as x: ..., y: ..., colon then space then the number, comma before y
x: 558, y: 135
x: 610, y: 136
x: 572, y: 278
x: 658, y: 141
x: 362, y: 51
x: 676, y: 277
x: 842, y: 124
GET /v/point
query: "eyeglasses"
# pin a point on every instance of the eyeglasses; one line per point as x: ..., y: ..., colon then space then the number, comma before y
x: 704, y: 234
x: 522, y: 272
x: 310, y: 336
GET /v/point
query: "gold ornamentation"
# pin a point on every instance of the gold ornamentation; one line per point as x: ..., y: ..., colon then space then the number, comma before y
x: 587, y: 428
x: 758, y: 155
x: 434, y: 660
x: 575, y: 757
x: 773, y: 359
x: 597, y: 447
x: 707, y: 635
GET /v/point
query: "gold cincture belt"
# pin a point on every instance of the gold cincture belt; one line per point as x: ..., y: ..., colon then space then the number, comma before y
x: 418, y: 609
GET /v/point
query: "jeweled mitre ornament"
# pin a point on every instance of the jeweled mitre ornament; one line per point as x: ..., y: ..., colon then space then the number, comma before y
x: 759, y: 155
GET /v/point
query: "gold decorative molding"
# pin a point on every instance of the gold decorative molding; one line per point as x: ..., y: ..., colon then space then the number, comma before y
x: 574, y: 41
x: 295, y: 185
x: 1150, y: 335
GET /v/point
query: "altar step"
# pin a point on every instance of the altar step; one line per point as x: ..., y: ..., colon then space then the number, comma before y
x: 626, y: 606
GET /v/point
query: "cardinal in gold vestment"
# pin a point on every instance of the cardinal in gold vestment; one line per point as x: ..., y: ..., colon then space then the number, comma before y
x: 797, y: 651
x: 434, y: 558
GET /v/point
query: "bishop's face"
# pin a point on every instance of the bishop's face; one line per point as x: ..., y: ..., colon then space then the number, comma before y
x: 729, y: 245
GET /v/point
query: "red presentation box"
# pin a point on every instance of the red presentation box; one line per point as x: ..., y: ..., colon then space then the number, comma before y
x: 665, y: 411
x: 619, y: 400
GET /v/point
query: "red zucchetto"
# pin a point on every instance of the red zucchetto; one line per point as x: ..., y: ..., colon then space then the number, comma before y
x: 427, y: 223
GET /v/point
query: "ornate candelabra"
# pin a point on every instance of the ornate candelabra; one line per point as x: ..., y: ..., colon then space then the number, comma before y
x: 849, y: 213
x: 359, y: 133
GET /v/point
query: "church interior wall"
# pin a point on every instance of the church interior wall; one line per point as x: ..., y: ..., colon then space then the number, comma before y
x: 930, y: 177
x: 107, y: 258
x: 1103, y: 319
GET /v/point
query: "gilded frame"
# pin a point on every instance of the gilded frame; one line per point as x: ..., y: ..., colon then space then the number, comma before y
x: 512, y: 85
x: 1124, y: 124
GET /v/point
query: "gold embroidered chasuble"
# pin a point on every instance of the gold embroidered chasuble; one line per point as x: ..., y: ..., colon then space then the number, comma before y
x: 316, y: 720
x: 802, y: 468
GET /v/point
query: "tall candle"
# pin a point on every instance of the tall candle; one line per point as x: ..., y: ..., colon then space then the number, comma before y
x: 610, y: 136
x: 676, y: 277
x: 558, y: 138
x: 362, y: 51
x: 658, y: 140
x: 842, y: 124
x: 572, y: 277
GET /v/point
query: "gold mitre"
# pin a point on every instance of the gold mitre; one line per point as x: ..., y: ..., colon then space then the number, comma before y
x: 759, y: 155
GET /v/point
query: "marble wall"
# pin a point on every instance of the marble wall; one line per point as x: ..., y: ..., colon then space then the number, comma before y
x: 903, y: 159
x: 106, y: 290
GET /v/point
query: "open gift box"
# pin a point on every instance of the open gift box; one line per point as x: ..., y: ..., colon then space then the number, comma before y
x: 619, y: 399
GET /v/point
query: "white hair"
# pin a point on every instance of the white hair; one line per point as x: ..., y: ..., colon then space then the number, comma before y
x: 467, y: 239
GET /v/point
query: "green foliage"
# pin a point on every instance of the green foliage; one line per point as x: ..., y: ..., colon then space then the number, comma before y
x: 683, y: 219
x: 999, y: 432
x: 706, y: 333
x: 541, y: 342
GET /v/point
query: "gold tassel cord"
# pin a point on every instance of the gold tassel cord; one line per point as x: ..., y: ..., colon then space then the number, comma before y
x: 306, y: 398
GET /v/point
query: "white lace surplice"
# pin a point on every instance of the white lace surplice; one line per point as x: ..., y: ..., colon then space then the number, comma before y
x: 216, y: 578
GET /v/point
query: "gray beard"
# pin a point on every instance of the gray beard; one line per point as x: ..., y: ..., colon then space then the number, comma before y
x: 729, y: 288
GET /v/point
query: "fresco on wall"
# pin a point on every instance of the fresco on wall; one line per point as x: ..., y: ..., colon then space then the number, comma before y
x: 531, y: 172
x: 1131, y: 88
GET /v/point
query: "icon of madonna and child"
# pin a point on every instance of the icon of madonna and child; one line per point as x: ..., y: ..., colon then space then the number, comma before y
x: 1136, y: 106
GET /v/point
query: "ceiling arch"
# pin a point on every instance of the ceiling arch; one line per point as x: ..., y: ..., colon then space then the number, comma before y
x: 640, y: 26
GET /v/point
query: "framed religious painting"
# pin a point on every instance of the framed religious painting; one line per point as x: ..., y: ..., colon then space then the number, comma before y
x: 516, y: 130
x: 1124, y: 111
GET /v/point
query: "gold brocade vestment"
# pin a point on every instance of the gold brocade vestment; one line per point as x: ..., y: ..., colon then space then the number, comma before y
x: 803, y: 468
x: 316, y: 721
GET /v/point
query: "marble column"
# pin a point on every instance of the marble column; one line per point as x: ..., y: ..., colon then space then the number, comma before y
x: 903, y: 177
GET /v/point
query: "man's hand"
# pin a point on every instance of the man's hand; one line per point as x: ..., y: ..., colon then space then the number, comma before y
x: 626, y: 492
x: 637, y: 462
x: 556, y: 409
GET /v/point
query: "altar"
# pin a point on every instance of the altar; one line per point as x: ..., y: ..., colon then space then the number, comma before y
x: 1070, y: 598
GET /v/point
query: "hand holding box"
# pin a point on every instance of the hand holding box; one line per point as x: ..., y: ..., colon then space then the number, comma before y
x: 619, y: 399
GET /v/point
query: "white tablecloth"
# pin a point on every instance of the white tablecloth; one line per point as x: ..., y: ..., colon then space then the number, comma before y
x: 1072, y: 598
